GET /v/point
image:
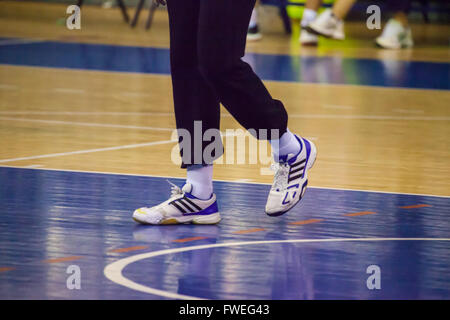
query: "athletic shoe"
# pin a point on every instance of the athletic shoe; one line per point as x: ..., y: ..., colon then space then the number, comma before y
x: 291, y: 179
x: 182, y: 207
x: 253, y: 33
x: 308, y: 39
x: 327, y: 25
x: 395, y: 36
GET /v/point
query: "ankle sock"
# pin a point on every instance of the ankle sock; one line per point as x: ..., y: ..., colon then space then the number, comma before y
x: 308, y: 16
x: 287, y: 144
x: 200, y: 177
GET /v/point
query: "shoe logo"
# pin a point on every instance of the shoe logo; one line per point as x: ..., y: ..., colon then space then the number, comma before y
x: 185, y: 205
x: 286, y: 200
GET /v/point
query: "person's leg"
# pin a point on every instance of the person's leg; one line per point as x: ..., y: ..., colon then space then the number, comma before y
x: 309, y: 14
x: 222, y: 33
x: 253, y: 32
x: 195, y: 104
x: 310, y: 11
x: 194, y: 99
x: 342, y: 7
x: 221, y: 45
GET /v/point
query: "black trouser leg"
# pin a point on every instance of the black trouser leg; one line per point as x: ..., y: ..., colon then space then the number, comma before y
x: 207, y: 43
x: 194, y: 98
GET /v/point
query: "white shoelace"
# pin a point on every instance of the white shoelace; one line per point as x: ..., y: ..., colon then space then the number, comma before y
x: 281, y: 176
x: 174, y: 190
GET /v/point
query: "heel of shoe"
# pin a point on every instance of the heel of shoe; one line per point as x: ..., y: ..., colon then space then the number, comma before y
x: 208, y: 219
x: 312, y: 156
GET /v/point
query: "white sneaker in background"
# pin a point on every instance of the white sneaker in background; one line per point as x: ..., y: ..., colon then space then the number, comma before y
x: 308, y: 39
x: 395, y: 36
x: 253, y: 33
x: 327, y: 25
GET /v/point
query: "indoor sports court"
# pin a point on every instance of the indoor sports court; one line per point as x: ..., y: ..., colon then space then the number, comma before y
x: 88, y: 135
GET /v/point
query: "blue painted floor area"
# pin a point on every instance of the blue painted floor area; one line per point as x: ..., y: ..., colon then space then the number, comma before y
x: 49, y: 214
x: 308, y: 69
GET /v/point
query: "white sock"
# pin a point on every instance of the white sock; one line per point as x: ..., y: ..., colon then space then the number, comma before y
x: 308, y: 16
x: 287, y: 144
x: 254, y: 18
x: 200, y: 177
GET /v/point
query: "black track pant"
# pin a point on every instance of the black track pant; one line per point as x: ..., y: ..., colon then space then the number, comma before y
x: 207, y: 42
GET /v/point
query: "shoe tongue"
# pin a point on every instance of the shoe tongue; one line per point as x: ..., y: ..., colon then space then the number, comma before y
x: 289, y: 158
x: 187, y: 188
x: 393, y: 27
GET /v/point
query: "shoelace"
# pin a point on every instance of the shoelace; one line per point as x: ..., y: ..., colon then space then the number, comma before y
x: 281, y: 175
x: 174, y: 189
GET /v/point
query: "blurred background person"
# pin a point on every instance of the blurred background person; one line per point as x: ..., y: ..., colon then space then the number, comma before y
x: 330, y: 23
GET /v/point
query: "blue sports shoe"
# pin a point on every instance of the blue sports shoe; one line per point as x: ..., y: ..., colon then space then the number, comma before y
x: 182, y: 207
x: 291, y: 179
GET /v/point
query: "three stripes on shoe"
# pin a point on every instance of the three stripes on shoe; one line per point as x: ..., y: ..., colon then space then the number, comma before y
x: 298, y: 167
x: 185, y: 205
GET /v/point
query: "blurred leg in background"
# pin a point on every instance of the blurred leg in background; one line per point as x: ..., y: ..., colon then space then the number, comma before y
x: 397, y: 32
x: 253, y: 32
x: 330, y: 23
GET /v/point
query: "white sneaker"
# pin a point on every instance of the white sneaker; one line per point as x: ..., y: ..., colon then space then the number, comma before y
x: 182, y: 207
x: 253, y: 33
x: 308, y: 39
x: 291, y: 179
x: 327, y: 25
x: 395, y: 36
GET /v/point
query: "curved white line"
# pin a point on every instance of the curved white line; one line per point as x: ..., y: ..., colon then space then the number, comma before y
x: 113, y: 271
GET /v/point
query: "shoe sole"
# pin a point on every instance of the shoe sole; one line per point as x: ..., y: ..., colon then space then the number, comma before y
x: 213, y: 218
x: 255, y: 37
x: 318, y: 33
x: 309, y: 165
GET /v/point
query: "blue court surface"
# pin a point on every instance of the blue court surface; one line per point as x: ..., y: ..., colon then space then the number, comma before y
x: 306, y: 69
x: 321, y: 249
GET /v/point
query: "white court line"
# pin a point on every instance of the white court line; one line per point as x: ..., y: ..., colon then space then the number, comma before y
x: 113, y: 271
x: 227, y: 181
x: 86, y: 124
x: 291, y: 115
x: 9, y: 42
x: 52, y: 155
x: 35, y: 166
